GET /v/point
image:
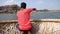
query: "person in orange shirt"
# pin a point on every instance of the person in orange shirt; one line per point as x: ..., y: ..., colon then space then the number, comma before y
x: 23, y: 16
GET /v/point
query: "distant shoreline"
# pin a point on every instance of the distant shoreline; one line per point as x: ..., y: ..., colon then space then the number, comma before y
x: 33, y: 11
x: 13, y: 9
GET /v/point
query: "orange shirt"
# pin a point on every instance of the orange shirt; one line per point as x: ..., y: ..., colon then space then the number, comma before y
x: 23, y: 16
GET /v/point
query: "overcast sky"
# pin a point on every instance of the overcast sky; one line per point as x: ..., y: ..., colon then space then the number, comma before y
x: 39, y: 4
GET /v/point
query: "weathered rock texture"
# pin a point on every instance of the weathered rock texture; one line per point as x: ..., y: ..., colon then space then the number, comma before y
x: 38, y: 28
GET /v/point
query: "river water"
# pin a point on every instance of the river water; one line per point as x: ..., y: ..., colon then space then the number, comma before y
x: 33, y: 15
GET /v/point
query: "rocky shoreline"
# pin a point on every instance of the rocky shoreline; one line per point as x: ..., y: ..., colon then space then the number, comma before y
x: 9, y: 9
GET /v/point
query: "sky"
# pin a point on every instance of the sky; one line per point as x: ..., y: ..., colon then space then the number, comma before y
x: 38, y: 4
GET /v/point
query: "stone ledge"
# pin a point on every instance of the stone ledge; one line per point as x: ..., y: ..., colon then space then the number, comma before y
x: 41, y: 20
x: 42, y: 26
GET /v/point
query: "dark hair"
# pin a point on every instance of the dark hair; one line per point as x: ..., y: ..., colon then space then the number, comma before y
x: 23, y: 5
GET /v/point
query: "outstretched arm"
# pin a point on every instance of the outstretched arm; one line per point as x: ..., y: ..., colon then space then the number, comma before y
x: 31, y: 9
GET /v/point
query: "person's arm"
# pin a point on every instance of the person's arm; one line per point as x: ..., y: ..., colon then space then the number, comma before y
x: 31, y: 9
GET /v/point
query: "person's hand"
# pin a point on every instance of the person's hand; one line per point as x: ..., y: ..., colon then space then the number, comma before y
x: 34, y: 9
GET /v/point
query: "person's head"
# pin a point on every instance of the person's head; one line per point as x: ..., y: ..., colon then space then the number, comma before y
x: 23, y: 5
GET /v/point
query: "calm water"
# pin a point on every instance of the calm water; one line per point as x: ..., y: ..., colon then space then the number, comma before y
x: 34, y: 15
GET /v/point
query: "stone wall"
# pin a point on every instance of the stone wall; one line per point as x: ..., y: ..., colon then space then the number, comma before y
x: 39, y: 27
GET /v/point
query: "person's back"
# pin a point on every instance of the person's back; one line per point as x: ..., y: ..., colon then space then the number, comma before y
x: 23, y: 16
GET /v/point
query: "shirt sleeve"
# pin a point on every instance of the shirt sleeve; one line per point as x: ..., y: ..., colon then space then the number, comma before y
x: 30, y: 10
